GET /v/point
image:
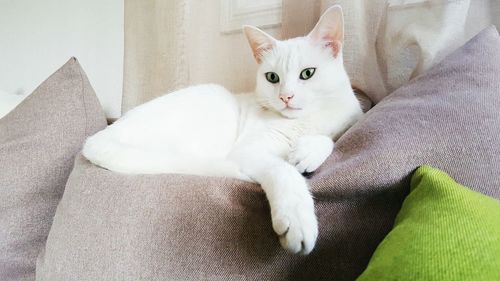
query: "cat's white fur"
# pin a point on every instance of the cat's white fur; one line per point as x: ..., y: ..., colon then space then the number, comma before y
x: 206, y: 130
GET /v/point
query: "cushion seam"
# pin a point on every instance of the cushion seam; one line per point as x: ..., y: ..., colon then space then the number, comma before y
x: 83, y: 100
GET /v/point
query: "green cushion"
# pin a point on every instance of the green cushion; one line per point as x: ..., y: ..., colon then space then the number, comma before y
x: 444, y: 231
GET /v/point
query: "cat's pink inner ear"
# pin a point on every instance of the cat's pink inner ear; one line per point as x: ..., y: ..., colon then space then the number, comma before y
x: 336, y: 47
x: 329, y: 31
x: 259, y: 41
x: 259, y: 51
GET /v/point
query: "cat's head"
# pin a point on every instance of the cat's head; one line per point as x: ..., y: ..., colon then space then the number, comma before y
x: 296, y: 74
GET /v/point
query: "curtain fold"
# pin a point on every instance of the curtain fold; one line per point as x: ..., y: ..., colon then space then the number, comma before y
x: 155, y: 53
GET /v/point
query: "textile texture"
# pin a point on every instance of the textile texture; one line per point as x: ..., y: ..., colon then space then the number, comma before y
x: 154, y: 59
x: 110, y: 226
x: 38, y: 143
x: 444, y: 231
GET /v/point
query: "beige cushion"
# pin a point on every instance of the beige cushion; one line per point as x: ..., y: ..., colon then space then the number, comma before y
x: 110, y: 226
x: 38, y: 143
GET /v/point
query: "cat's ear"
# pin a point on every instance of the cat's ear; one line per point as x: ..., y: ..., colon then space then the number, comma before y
x: 259, y: 41
x: 329, y: 31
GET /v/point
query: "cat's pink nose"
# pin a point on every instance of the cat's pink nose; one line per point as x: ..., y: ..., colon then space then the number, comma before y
x: 286, y: 97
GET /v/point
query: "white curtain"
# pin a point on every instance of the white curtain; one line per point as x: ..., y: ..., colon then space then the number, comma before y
x: 173, y: 44
x: 155, y: 55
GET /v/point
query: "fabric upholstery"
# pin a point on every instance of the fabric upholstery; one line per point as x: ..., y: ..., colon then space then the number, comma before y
x: 110, y: 226
x: 38, y: 143
x: 444, y: 231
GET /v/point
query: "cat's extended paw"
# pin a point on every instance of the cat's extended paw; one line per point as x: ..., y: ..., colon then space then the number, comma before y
x: 309, y: 152
x: 297, y: 227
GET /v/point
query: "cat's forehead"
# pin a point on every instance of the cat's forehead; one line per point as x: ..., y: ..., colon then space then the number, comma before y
x: 293, y: 53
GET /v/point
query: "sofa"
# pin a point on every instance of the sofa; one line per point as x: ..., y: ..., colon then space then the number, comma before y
x: 63, y: 218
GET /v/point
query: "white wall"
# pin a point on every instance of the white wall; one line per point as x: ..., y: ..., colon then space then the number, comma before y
x: 495, y: 13
x: 37, y: 37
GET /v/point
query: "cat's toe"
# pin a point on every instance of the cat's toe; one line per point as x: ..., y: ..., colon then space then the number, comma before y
x: 297, y: 230
x: 309, y: 239
x: 307, y: 164
x: 308, y: 153
x: 292, y: 241
x: 306, y: 161
x: 281, y: 224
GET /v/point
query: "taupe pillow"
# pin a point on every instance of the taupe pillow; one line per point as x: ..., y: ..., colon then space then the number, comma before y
x: 110, y: 226
x: 38, y: 143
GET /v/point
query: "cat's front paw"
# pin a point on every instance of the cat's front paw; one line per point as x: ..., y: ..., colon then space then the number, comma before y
x: 309, y: 152
x: 296, y: 226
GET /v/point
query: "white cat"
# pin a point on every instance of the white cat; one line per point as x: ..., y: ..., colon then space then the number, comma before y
x: 302, y: 100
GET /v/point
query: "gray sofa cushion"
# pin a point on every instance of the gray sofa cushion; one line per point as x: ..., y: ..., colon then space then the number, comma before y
x: 110, y: 226
x: 38, y: 143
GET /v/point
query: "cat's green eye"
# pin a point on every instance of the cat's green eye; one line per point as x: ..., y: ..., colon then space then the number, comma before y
x: 307, y: 73
x: 272, y: 77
